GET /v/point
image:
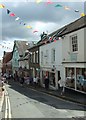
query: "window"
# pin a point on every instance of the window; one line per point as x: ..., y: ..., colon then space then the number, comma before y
x: 74, y: 43
x: 41, y: 57
x: 53, y: 55
x: 47, y: 56
x: 31, y: 57
x: 34, y: 57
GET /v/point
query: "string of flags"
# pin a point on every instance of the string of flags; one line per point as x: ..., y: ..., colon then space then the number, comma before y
x: 17, y: 18
x: 3, y: 46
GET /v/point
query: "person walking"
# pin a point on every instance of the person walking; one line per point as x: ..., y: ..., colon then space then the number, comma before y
x: 46, y: 81
x: 61, y: 85
x: 35, y: 81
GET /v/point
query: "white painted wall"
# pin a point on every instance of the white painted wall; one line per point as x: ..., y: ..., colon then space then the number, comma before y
x: 58, y: 59
x: 66, y: 48
x: 54, y: 45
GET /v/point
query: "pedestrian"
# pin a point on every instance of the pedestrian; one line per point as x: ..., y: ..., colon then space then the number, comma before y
x: 54, y: 84
x: 61, y: 85
x: 22, y: 79
x: 46, y: 81
x: 35, y: 81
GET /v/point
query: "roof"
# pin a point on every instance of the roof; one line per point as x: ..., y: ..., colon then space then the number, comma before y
x: 21, y: 46
x: 7, y: 57
x: 74, y: 26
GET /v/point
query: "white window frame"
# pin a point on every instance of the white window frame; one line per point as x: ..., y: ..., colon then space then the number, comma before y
x: 53, y: 55
x: 41, y: 57
x: 34, y: 57
x: 74, y: 43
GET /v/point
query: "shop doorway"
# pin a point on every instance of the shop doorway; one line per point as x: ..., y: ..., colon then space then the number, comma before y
x: 59, y: 75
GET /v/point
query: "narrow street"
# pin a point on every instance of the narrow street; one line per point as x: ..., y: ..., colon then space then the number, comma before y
x: 28, y: 103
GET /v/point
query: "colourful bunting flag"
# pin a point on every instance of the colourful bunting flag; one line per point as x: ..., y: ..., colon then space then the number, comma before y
x: 82, y: 14
x: 66, y: 8
x: 8, y: 11
x: 38, y: 1
x: 2, y: 6
x: 17, y: 18
x: 76, y: 10
x: 24, y: 24
x: 49, y: 2
x: 28, y: 26
x: 35, y: 31
x: 58, y: 5
x: 12, y: 14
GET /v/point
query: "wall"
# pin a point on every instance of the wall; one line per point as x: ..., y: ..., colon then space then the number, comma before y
x: 66, y: 51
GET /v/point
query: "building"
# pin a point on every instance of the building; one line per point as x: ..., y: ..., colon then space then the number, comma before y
x: 7, y: 63
x: 73, y: 54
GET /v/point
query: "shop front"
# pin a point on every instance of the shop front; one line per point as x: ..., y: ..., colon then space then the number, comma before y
x: 52, y: 75
x: 76, y: 78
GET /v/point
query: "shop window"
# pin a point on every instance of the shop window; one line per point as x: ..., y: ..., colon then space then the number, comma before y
x: 81, y: 79
x: 70, y: 77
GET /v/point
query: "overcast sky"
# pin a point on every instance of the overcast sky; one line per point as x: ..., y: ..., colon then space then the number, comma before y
x: 42, y: 17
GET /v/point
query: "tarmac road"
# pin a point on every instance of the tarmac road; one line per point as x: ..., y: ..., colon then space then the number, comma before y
x: 29, y: 103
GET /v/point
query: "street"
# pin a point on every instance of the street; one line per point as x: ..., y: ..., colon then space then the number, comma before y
x: 25, y: 102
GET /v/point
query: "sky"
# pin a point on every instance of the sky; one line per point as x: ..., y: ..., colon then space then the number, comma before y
x: 42, y: 17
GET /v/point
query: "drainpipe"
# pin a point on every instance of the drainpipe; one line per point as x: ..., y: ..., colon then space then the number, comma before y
x: 75, y: 78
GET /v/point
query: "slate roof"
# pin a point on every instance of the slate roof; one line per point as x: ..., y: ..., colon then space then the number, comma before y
x: 74, y: 26
x: 21, y: 46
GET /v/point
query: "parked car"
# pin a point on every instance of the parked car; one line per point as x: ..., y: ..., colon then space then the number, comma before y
x: 81, y: 82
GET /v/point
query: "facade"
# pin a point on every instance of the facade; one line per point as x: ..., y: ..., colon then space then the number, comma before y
x: 34, y: 61
x: 7, y: 63
x: 73, y: 54
x: 51, y: 62
x: 18, y: 53
x: 0, y: 66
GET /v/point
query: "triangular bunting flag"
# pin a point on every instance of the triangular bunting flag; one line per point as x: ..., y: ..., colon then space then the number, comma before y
x: 2, y: 6
x: 38, y: 1
x: 58, y: 5
x: 12, y: 14
x: 28, y: 26
x: 76, y: 10
x: 8, y: 11
x: 82, y: 14
x: 17, y: 18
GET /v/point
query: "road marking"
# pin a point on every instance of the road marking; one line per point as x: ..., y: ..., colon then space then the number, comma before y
x: 8, y: 106
x: 2, y: 100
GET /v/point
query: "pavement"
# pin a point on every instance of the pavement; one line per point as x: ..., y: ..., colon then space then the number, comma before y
x: 69, y: 94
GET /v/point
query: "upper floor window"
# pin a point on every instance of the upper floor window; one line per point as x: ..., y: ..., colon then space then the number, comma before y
x: 53, y: 55
x: 41, y: 57
x: 34, y: 57
x: 46, y: 56
x: 74, y: 43
x: 37, y: 56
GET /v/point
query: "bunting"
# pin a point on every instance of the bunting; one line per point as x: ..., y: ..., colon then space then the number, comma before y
x: 35, y: 31
x: 12, y: 14
x: 2, y: 6
x: 8, y: 11
x: 38, y: 1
